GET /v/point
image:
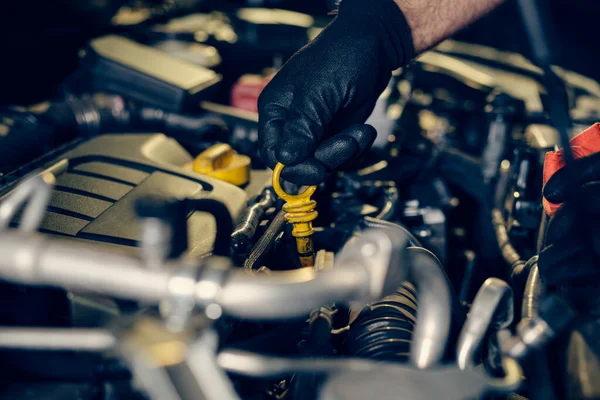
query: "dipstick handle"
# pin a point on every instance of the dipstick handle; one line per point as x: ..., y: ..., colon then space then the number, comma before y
x: 300, y: 212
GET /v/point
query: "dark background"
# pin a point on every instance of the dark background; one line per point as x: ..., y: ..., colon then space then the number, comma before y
x: 39, y: 39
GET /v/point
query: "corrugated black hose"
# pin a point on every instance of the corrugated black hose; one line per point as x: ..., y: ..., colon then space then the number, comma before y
x: 223, y: 222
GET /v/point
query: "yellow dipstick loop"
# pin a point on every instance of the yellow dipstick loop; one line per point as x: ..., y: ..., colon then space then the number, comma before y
x: 301, y: 212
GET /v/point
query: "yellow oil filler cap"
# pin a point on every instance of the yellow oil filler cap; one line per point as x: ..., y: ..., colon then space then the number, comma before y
x: 220, y: 161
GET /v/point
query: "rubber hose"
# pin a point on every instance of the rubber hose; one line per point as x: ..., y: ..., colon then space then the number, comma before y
x: 318, y: 343
x: 383, y: 330
x: 223, y: 222
x: 320, y: 338
x: 174, y: 124
x: 464, y: 172
x: 110, y: 113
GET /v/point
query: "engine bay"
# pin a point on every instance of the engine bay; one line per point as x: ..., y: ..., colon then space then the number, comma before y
x: 147, y: 250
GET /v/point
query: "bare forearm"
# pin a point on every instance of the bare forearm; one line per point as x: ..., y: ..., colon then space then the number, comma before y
x: 432, y: 21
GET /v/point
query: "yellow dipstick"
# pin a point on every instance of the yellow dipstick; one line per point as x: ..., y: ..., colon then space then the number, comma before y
x: 301, y: 212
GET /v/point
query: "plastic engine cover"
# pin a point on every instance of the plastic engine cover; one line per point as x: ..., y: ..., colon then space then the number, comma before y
x: 98, y: 182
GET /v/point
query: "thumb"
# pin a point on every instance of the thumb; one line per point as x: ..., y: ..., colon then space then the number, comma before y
x: 346, y: 146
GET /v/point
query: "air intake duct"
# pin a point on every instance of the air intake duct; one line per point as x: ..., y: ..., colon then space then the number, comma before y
x: 383, y: 330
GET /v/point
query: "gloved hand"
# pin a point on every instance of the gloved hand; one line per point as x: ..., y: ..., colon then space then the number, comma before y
x: 572, y: 252
x: 311, y: 114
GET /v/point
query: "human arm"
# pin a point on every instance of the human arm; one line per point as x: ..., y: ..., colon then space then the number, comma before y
x: 312, y: 114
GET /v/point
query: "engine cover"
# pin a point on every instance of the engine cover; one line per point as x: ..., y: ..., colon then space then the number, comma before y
x: 98, y: 181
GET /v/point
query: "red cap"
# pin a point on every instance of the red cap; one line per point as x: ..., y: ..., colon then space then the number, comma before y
x: 584, y: 144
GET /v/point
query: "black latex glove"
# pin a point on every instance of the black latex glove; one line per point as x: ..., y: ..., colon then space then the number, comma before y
x: 572, y: 252
x: 311, y: 114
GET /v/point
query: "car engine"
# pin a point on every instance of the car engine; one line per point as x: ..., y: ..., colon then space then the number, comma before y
x: 146, y: 251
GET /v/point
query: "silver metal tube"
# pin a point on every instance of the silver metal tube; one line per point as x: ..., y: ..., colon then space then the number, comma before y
x: 97, y: 340
x: 37, y: 190
x: 292, y: 293
x: 513, y: 377
x: 533, y: 291
x: 43, y: 260
x: 155, y: 242
x: 261, y: 366
x: 434, y: 308
x: 213, y: 381
x: 491, y: 309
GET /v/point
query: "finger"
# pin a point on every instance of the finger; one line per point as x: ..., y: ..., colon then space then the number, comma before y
x: 589, y: 198
x: 331, y: 154
x: 566, y: 265
x: 562, y: 224
x: 575, y: 219
x: 345, y: 146
x: 268, y: 141
x: 302, y: 132
x: 298, y: 142
x: 582, y: 208
x: 588, y: 208
x: 308, y: 172
x: 270, y: 128
x: 578, y: 172
x: 309, y: 117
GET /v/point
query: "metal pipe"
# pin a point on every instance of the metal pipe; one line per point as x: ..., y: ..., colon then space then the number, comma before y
x: 510, y: 255
x: 261, y: 366
x: 96, y: 340
x: 251, y: 217
x: 371, y: 268
x: 43, y: 260
x: 89, y: 268
x: 390, y: 204
x: 434, y: 312
x: 491, y: 309
x: 513, y: 377
x: 37, y: 190
x: 533, y: 291
x: 292, y: 293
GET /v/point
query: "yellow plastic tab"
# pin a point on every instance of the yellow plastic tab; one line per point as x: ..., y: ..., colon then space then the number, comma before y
x: 301, y: 212
x: 222, y: 162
